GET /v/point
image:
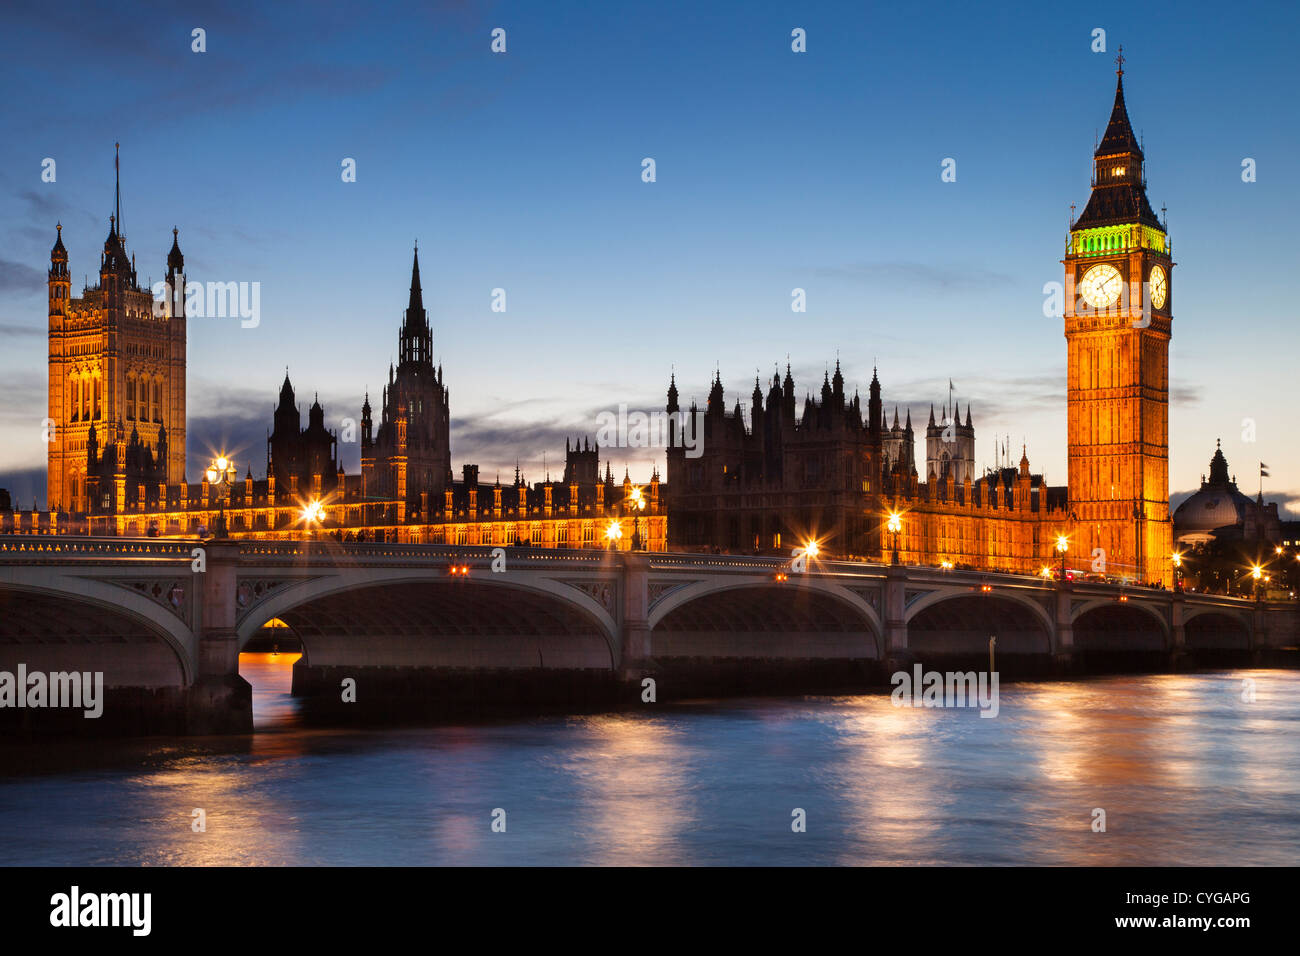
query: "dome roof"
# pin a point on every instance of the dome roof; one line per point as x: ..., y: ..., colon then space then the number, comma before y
x: 1217, y: 506
x: 1212, y: 509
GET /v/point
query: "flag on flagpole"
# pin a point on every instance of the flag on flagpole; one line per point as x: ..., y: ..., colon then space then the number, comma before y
x: 1263, y: 470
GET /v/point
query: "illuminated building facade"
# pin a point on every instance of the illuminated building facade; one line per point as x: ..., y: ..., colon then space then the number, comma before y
x: 835, y: 473
x: 129, y: 479
x: 1118, y: 322
x: 116, y: 380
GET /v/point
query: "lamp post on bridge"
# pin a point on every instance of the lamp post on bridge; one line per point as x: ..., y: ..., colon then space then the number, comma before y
x: 221, y: 474
x: 313, y: 513
x: 1062, y: 546
x: 895, y: 525
x: 636, y: 501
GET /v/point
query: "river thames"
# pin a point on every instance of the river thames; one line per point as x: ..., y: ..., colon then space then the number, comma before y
x: 1186, y: 771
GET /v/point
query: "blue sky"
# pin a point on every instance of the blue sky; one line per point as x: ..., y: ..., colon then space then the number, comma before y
x: 775, y: 170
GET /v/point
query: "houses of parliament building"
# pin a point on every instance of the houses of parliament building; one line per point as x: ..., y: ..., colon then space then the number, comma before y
x: 766, y: 480
x: 835, y: 471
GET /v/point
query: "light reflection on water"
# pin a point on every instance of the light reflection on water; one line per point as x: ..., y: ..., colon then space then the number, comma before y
x: 1186, y: 772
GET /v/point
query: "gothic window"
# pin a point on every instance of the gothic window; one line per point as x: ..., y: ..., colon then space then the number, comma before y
x: 130, y: 399
x: 95, y: 387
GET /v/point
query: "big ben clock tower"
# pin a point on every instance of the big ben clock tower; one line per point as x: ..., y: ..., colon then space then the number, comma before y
x: 1118, y: 322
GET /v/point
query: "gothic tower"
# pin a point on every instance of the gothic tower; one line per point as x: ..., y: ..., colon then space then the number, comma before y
x: 116, y: 367
x: 409, y: 457
x: 1118, y: 322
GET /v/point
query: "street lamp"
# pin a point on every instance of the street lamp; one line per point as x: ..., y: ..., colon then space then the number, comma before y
x: 637, y: 502
x: 895, y: 525
x: 1177, y: 559
x: 1062, y: 545
x: 613, y: 533
x: 221, y: 471
x: 1256, y: 572
x: 313, y: 512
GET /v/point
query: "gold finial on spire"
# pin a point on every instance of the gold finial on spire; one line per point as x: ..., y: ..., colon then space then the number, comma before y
x: 1119, y: 60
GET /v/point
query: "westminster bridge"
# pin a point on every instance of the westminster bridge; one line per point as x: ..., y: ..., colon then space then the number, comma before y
x: 164, y: 619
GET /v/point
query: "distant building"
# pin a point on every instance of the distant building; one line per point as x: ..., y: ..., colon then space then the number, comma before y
x: 1219, y: 513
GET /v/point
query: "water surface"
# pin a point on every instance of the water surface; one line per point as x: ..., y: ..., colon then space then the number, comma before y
x: 1187, y: 772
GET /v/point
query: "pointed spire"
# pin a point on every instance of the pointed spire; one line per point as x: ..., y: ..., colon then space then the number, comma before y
x: 415, y: 307
x: 175, y: 261
x: 117, y: 187
x: 59, y: 252
x: 1119, y: 136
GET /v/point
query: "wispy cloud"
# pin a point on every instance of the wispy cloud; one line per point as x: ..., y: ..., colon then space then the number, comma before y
x: 17, y: 277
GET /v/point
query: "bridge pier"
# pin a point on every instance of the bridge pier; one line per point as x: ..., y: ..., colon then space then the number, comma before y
x: 1179, y: 657
x: 1063, y: 650
x: 219, y: 701
x: 898, y: 656
x: 634, y: 617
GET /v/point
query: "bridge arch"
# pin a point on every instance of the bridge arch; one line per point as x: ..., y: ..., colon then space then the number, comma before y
x: 960, y: 621
x: 426, y: 618
x: 85, y: 624
x: 1106, y: 624
x: 759, y: 618
x: 1217, y: 628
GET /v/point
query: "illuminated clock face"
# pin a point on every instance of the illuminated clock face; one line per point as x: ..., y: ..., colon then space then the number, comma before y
x: 1159, y: 287
x: 1101, y: 286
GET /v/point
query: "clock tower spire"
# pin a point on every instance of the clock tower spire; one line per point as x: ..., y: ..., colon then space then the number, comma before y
x: 1118, y: 323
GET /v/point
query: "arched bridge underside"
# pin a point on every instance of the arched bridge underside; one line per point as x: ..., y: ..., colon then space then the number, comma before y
x: 771, y: 623
x: 447, y: 624
x: 59, y: 633
x: 962, y: 624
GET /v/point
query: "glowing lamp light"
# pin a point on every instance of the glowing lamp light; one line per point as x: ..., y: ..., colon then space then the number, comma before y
x: 313, y: 511
x: 1062, y: 543
x: 1256, y: 572
x: 1046, y: 572
x: 614, y: 532
x: 895, y: 523
x: 1177, y: 559
x: 812, y: 549
x: 945, y: 564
